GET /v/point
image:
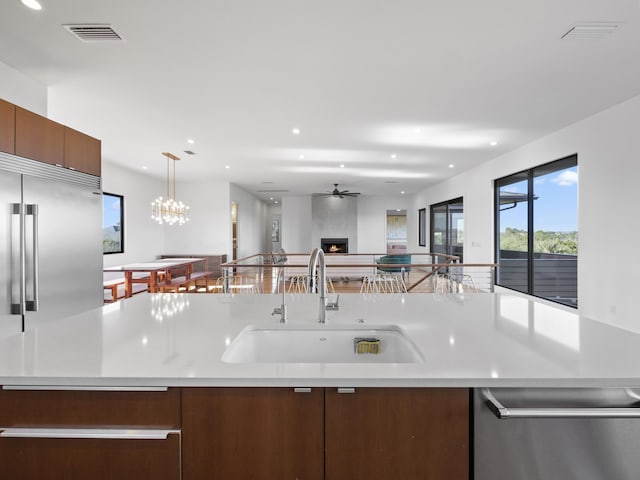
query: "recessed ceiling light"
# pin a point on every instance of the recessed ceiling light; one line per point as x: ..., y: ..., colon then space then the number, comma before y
x: 493, y: 143
x: 276, y: 201
x: 144, y: 167
x: 270, y: 198
x: 393, y: 155
x: 417, y: 130
x: 342, y: 166
x: 402, y: 192
x: 227, y: 166
x: 451, y: 165
x: 191, y: 141
x: 32, y: 4
x: 295, y: 131
x: 301, y: 157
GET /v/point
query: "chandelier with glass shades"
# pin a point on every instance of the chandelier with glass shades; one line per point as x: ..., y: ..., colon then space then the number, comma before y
x: 169, y: 210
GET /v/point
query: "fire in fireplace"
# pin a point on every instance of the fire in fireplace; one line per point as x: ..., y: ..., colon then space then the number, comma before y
x: 334, y: 245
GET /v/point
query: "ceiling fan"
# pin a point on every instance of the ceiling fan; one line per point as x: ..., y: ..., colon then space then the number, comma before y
x: 337, y: 193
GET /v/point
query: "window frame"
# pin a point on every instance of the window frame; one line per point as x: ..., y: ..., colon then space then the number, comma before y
x: 529, y: 175
x: 121, y: 200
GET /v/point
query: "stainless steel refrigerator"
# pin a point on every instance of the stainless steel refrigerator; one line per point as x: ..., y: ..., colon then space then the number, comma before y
x: 50, y: 243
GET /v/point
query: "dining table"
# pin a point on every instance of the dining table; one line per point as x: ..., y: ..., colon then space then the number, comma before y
x: 155, y: 269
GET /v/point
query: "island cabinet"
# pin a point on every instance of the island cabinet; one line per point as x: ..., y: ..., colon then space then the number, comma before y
x: 404, y: 433
x: 7, y: 127
x: 73, y: 435
x: 252, y: 433
x: 332, y: 434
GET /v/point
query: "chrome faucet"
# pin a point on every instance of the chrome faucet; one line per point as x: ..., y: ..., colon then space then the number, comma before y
x: 317, y: 262
x: 282, y: 309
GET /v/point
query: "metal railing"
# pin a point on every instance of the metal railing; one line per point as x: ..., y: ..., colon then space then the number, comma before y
x: 359, y: 273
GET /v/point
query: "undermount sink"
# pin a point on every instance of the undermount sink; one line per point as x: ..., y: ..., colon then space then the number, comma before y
x: 322, y: 344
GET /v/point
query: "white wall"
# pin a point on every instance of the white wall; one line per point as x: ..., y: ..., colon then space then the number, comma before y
x: 372, y: 221
x: 17, y: 88
x: 254, y: 226
x: 333, y: 217
x: 208, y: 231
x: 143, y: 238
x: 608, y: 170
x: 296, y: 224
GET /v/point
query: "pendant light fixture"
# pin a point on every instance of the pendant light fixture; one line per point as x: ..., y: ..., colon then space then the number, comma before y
x: 170, y: 210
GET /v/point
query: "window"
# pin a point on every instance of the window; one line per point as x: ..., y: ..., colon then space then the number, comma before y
x: 537, y: 231
x: 112, y: 223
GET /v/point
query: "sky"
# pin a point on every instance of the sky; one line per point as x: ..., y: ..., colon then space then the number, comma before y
x: 111, y: 210
x: 555, y: 210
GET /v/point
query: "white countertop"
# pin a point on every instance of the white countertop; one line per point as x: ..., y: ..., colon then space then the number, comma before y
x: 466, y: 341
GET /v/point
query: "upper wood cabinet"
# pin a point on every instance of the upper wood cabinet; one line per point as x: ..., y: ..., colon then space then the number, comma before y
x: 33, y: 136
x: 82, y: 152
x: 7, y: 127
x: 39, y: 138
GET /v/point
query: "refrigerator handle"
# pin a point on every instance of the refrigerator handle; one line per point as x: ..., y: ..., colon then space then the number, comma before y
x: 503, y: 412
x: 32, y: 305
x: 20, y: 307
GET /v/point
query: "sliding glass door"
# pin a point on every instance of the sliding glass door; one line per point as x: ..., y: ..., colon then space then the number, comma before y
x: 447, y: 228
x: 537, y: 231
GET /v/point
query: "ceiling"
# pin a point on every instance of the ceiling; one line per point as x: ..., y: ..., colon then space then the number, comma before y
x: 386, y: 94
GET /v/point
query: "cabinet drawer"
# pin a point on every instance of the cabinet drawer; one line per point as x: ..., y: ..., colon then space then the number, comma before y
x: 64, y: 408
x: 90, y: 458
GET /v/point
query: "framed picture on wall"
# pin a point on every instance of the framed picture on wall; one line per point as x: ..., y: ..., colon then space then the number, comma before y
x: 275, y: 231
x: 422, y: 227
x: 112, y: 223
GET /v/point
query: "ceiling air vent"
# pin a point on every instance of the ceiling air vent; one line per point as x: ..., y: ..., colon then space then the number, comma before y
x: 94, y: 32
x: 189, y: 152
x: 591, y: 30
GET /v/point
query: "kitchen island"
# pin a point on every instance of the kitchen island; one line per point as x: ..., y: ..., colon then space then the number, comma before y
x: 153, y: 365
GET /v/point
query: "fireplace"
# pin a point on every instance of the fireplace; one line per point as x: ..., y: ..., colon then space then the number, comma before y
x: 334, y: 245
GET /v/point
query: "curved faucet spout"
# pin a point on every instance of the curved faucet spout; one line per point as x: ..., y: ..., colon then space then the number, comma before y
x: 317, y: 262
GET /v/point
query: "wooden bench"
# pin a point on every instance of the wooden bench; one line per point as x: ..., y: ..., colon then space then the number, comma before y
x: 175, y: 284
x: 113, y: 284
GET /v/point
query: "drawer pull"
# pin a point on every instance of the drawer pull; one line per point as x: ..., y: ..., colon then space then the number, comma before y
x: 302, y: 390
x: 346, y: 390
x: 86, y: 433
x: 79, y: 388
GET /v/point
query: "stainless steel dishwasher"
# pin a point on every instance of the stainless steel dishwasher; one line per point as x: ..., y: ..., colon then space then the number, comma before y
x: 556, y: 433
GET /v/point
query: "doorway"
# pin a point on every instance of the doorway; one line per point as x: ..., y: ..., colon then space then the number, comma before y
x: 447, y: 228
x: 234, y: 231
x: 396, y: 231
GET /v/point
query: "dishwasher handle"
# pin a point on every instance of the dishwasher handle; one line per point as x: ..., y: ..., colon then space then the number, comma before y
x: 504, y: 413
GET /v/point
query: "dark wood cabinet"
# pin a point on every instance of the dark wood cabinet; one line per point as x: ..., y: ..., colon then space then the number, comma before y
x: 90, y: 408
x: 39, y: 138
x: 373, y: 433
x: 82, y: 152
x: 7, y: 127
x: 80, y: 434
x: 407, y: 433
x: 236, y: 433
x: 256, y: 433
x: 87, y: 458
